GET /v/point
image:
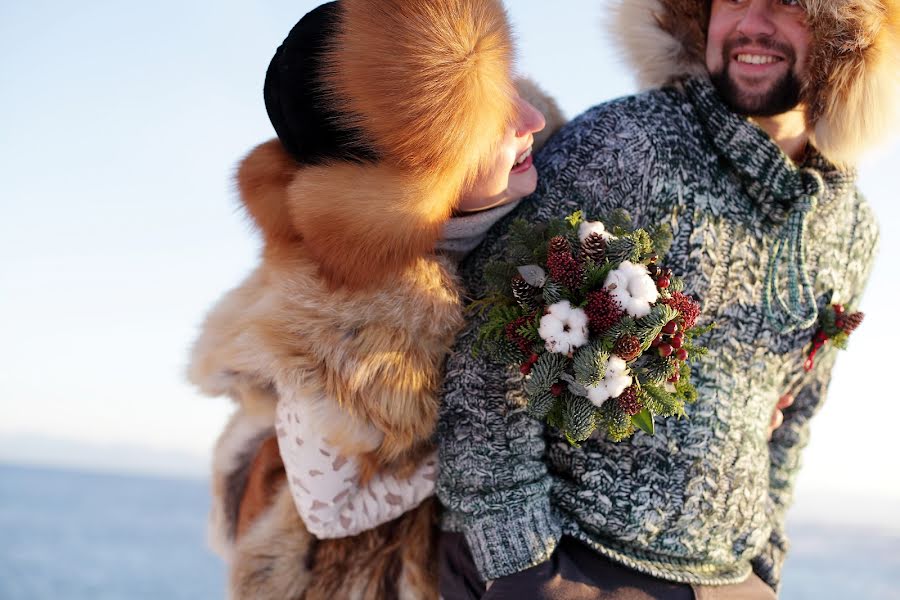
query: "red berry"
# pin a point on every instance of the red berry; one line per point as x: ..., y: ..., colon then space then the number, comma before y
x: 677, y: 340
x: 525, y: 369
x: 665, y: 350
x: 657, y: 341
x: 556, y: 389
x: 839, y: 323
x: 663, y: 282
x: 670, y: 328
x: 675, y: 377
x: 838, y: 309
x: 681, y: 354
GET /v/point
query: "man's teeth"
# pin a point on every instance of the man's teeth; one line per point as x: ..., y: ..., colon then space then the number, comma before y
x: 756, y: 59
x: 522, y: 157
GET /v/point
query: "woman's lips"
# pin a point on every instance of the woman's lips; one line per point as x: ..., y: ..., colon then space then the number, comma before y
x: 524, y: 166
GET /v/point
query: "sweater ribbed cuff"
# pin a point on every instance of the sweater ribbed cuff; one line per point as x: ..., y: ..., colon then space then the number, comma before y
x: 514, y: 540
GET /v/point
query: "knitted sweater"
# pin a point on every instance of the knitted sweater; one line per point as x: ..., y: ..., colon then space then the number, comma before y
x: 704, y: 500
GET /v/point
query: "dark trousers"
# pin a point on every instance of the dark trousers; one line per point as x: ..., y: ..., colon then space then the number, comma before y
x: 574, y: 572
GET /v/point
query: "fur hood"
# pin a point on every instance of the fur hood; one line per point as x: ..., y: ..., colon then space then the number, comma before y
x: 432, y: 99
x: 853, y: 89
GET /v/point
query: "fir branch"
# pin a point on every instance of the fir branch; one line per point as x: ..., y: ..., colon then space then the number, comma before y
x: 650, y: 326
x: 579, y: 418
x: 618, y: 222
x: 660, y: 402
x: 540, y: 404
x: 661, y: 239
x: 676, y: 285
x: 643, y: 246
x: 617, y: 423
x: 654, y: 369
x: 840, y: 340
x: 620, y: 249
x: 545, y: 372
x: 499, y: 275
x: 595, y: 275
x: 590, y: 363
x: 552, y: 292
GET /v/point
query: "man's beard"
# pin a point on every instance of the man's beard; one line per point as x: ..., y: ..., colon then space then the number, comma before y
x: 782, y: 96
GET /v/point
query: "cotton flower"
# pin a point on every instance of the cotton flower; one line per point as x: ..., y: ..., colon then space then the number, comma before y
x: 563, y: 328
x: 633, y: 288
x: 588, y: 227
x: 615, y: 381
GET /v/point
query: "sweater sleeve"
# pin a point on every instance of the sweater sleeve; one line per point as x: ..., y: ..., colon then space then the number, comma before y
x: 789, y: 440
x: 324, y: 481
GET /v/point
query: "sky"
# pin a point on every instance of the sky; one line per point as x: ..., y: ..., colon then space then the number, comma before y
x: 120, y: 127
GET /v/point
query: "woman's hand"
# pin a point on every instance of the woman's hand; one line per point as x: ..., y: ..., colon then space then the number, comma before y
x: 778, y: 416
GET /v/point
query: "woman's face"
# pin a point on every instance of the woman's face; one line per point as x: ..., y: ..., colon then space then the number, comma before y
x: 512, y: 175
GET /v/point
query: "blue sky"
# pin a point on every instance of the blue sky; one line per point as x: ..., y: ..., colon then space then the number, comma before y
x: 121, y: 125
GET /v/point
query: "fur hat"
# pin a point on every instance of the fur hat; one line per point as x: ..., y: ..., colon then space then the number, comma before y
x: 428, y: 103
x: 853, y: 88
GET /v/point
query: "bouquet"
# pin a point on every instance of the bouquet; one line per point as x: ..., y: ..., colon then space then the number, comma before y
x: 603, y: 333
x: 835, y: 326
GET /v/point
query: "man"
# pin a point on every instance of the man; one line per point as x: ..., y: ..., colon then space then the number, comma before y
x: 746, y: 149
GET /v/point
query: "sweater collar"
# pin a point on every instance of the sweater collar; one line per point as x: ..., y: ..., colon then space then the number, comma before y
x: 786, y: 192
x: 768, y: 175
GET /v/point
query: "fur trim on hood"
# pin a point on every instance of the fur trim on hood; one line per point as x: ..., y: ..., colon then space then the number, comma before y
x: 853, y: 89
x: 432, y: 99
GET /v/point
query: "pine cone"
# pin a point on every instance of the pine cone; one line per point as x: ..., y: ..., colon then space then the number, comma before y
x: 628, y: 401
x: 559, y: 245
x: 627, y: 347
x: 523, y: 292
x: 594, y: 247
x: 852, y: 321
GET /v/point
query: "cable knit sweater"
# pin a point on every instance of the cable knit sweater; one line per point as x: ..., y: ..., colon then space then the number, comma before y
x: 703, y: 501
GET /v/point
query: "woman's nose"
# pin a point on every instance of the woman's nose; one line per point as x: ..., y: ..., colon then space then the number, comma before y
x: 530, y: 119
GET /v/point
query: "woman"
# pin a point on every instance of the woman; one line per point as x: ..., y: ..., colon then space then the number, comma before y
x: 340, y: 334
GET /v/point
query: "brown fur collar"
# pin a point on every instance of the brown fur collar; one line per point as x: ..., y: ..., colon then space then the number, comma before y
x: 853, y: 89
x: 433, y: 98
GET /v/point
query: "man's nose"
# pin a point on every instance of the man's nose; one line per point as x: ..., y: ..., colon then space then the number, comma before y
x: 757, y: 20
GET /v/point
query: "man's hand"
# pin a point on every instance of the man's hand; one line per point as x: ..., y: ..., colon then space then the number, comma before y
x: 777, y: 415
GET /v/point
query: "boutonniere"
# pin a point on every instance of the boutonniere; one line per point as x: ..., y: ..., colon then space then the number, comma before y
x: 835, y: 326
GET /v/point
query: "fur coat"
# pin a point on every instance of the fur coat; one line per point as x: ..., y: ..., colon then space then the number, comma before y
x: 350, y: 307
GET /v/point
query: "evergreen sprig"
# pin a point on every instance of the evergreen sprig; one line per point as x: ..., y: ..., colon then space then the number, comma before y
x: 589, y: 363
x: 648, y: 327
x: 616, y: 421
x: 660, y: 402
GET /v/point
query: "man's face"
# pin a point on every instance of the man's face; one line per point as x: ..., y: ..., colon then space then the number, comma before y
x: 756, y: 53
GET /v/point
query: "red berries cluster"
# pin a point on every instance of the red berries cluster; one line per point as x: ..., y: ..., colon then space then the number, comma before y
x: 663, y: 277
x: 670, y: 342
x: 686, y: 306
x: 603, y: 311
x: 528, y: 364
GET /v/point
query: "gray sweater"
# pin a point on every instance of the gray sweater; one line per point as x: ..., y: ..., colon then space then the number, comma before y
x: 704, y: 500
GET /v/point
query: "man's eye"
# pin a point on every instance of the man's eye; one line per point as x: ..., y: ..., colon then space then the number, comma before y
x: 791, y: 3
